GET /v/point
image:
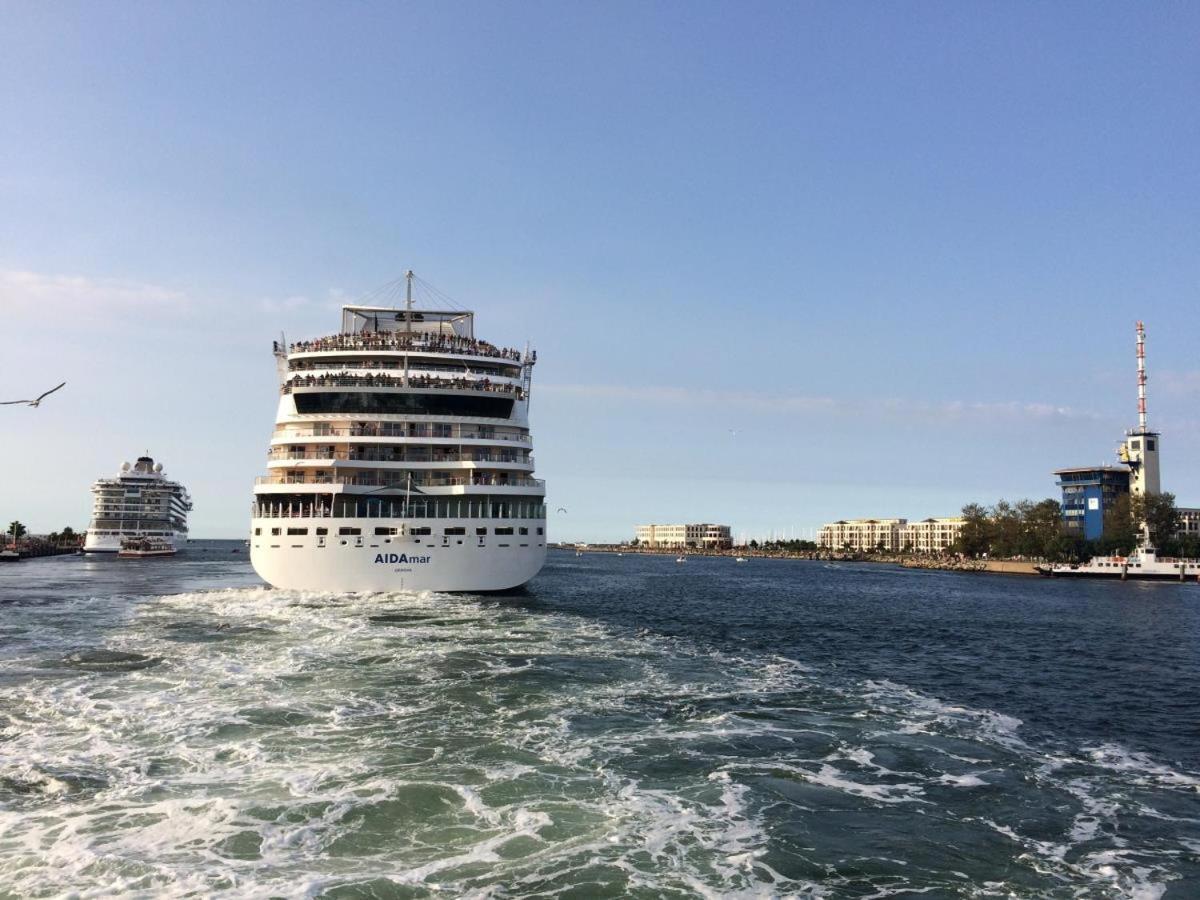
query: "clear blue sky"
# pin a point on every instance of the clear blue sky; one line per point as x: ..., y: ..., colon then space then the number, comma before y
x: 783, y: 262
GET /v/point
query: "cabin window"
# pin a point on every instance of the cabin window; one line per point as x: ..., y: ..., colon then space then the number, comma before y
x: 379, y: 531
x: 504, y: 531
x: 522, y: 531
x: 257, y: 531
x: 322, y: 531
x: 481, y: 531
x: 455, y: 531
x: 275, y: 531
x: 349, y: 530
x: 295, y: 531
x: 425, y: 530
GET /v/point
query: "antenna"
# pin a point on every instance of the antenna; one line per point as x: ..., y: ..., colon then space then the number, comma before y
x: 1141, y: 370
x: 408, y: 277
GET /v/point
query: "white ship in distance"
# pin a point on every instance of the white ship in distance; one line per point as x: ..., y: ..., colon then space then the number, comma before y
x: 401, y: 459
x: 139, y: 503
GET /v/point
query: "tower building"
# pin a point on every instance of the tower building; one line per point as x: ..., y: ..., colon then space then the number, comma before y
x: 1141, y: 446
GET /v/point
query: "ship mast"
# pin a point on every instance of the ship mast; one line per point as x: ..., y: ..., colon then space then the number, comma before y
x: 408, y: 277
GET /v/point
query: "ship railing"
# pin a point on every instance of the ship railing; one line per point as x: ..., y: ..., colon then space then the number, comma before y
x: 416, y: 343
x: 419, y: 382
x: 477, y: 479
x: 391, y: 364
x: 399, y: 509
x: 384, y: 430
x: 287, y: 455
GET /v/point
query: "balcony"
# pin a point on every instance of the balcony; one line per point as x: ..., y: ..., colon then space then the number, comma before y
x: 401, y: 482
x: 398, y: 342
x: 392, y: 382
x: 406, y: 432
x: 397, y: 508
x: 380, y: 455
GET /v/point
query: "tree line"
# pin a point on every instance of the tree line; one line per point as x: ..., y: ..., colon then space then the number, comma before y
x: 1036, y: 529
x: 17, y: 530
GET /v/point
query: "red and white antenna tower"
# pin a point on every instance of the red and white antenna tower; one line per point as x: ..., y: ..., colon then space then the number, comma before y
x: 1141, y: 363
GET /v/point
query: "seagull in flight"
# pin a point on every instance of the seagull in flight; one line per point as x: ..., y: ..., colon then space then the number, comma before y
x: 33, y: 403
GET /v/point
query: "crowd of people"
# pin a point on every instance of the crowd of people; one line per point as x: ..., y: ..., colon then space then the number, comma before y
x: 345, y: 379
x: 399, y: 340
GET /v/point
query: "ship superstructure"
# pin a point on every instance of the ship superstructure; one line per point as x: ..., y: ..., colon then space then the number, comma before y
x: 401, y: 459
x: 140, y: 502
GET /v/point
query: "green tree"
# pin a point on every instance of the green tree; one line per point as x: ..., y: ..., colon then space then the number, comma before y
x: 1006, y: 529
x: 1160, y: 515
x: 16, y: 529
x: 975, y: 538
x: 1043, y: 534
x: 1121, y: 533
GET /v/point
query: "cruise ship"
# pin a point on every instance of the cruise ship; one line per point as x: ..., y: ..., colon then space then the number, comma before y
x: 139, y: 503
x: 401, y: 459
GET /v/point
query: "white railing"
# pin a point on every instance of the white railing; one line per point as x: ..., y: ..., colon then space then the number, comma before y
x: 478, y: 479
x: 282, y: 454
x: 383, y: 429
x: 400, y: 509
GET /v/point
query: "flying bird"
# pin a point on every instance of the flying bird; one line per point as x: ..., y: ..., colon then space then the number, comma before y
x: 562, y: 509
x: 33, y: 403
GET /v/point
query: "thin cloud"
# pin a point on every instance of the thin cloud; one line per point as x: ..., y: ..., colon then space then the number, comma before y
x: 1179, y: 384
x: 679, y: 396
x: 34, y: 293
x: 297, y: 303
x: 958, y: 410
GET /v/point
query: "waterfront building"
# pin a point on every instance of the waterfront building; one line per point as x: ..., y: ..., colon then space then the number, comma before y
x: 931, y: 535
x: 1189, y: 522
x: 702, y: 534
x: 862, y: 534
x: 1087, y: 492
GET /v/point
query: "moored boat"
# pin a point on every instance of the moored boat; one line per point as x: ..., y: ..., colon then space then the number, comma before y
x: 136, y: 547
x: 1143, y: 563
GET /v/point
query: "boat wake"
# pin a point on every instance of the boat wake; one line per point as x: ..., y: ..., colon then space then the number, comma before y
x: 312, y: 744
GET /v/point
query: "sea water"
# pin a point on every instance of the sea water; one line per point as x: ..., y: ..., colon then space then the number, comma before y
x: 626, y: 726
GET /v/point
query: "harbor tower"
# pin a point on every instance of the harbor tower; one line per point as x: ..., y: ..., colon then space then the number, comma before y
x: 1141, y: 447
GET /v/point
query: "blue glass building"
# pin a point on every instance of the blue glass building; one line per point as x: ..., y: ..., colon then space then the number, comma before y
x: 1087, y: 493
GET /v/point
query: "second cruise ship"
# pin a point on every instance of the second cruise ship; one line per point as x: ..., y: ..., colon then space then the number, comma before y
x: 401, y: 459
x: 139, y: 504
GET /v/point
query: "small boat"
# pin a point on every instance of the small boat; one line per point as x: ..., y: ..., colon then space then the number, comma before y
x: 135, y: 548
x: 740, y: 559
x: 681, y: 559
x: 9, y: 556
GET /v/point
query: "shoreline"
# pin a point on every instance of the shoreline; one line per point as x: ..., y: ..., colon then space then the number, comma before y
x: 945, y: 564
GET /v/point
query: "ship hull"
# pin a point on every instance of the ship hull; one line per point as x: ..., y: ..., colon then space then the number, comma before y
x: 368, y: 563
